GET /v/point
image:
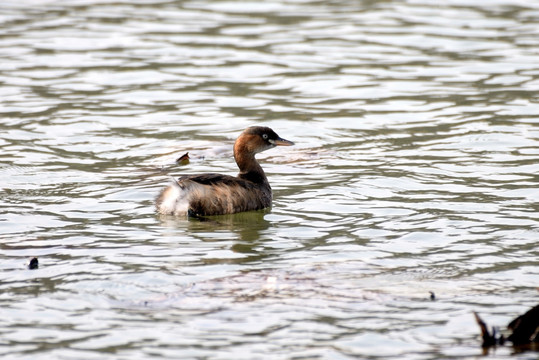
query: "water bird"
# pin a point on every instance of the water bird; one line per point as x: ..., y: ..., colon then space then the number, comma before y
x: 218, y: 194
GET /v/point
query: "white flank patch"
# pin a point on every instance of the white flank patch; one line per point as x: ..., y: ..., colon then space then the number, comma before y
x: 174, y: 201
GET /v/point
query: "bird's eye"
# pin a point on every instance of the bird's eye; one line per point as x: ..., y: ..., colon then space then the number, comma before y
x: 265, y: 136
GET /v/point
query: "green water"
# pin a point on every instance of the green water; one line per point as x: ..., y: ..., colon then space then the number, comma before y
x: 414, y: 170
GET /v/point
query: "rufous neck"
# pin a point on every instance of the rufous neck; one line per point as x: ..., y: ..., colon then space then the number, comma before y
x: 250, y: 169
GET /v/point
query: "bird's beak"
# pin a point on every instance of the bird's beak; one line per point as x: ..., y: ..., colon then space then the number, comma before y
x: 281, y: 142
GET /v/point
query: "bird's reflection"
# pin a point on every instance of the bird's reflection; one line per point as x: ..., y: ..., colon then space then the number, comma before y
x: 247, y: 227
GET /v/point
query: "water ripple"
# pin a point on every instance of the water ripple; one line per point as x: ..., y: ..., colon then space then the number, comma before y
x: 415, y: 170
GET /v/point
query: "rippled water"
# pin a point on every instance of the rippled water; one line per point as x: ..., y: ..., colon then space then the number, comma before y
x: 415, y: 169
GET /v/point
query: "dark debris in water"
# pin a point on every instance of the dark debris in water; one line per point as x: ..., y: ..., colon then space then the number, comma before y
x: 33, y: 263
x: 524, y: 330
x: 490, y: 338
x: 184, y: 159
x: 525, y: 327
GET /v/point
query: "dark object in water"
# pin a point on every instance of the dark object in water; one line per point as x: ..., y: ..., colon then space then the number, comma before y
x: 432, y: 295
x: 33, y: 263
x: 525, y: 330
x: 184, y: 159
x: 489, y: 339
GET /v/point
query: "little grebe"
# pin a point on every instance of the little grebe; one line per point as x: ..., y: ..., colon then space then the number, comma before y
x: 217, y: 194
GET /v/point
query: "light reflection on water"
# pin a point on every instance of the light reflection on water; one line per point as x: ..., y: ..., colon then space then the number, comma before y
x: 415, y: 170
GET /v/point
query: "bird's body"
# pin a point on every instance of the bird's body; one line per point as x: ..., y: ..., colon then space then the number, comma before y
x: 216, y: 194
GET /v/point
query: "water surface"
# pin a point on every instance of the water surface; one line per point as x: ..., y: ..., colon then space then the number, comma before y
x: 415, y: 170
